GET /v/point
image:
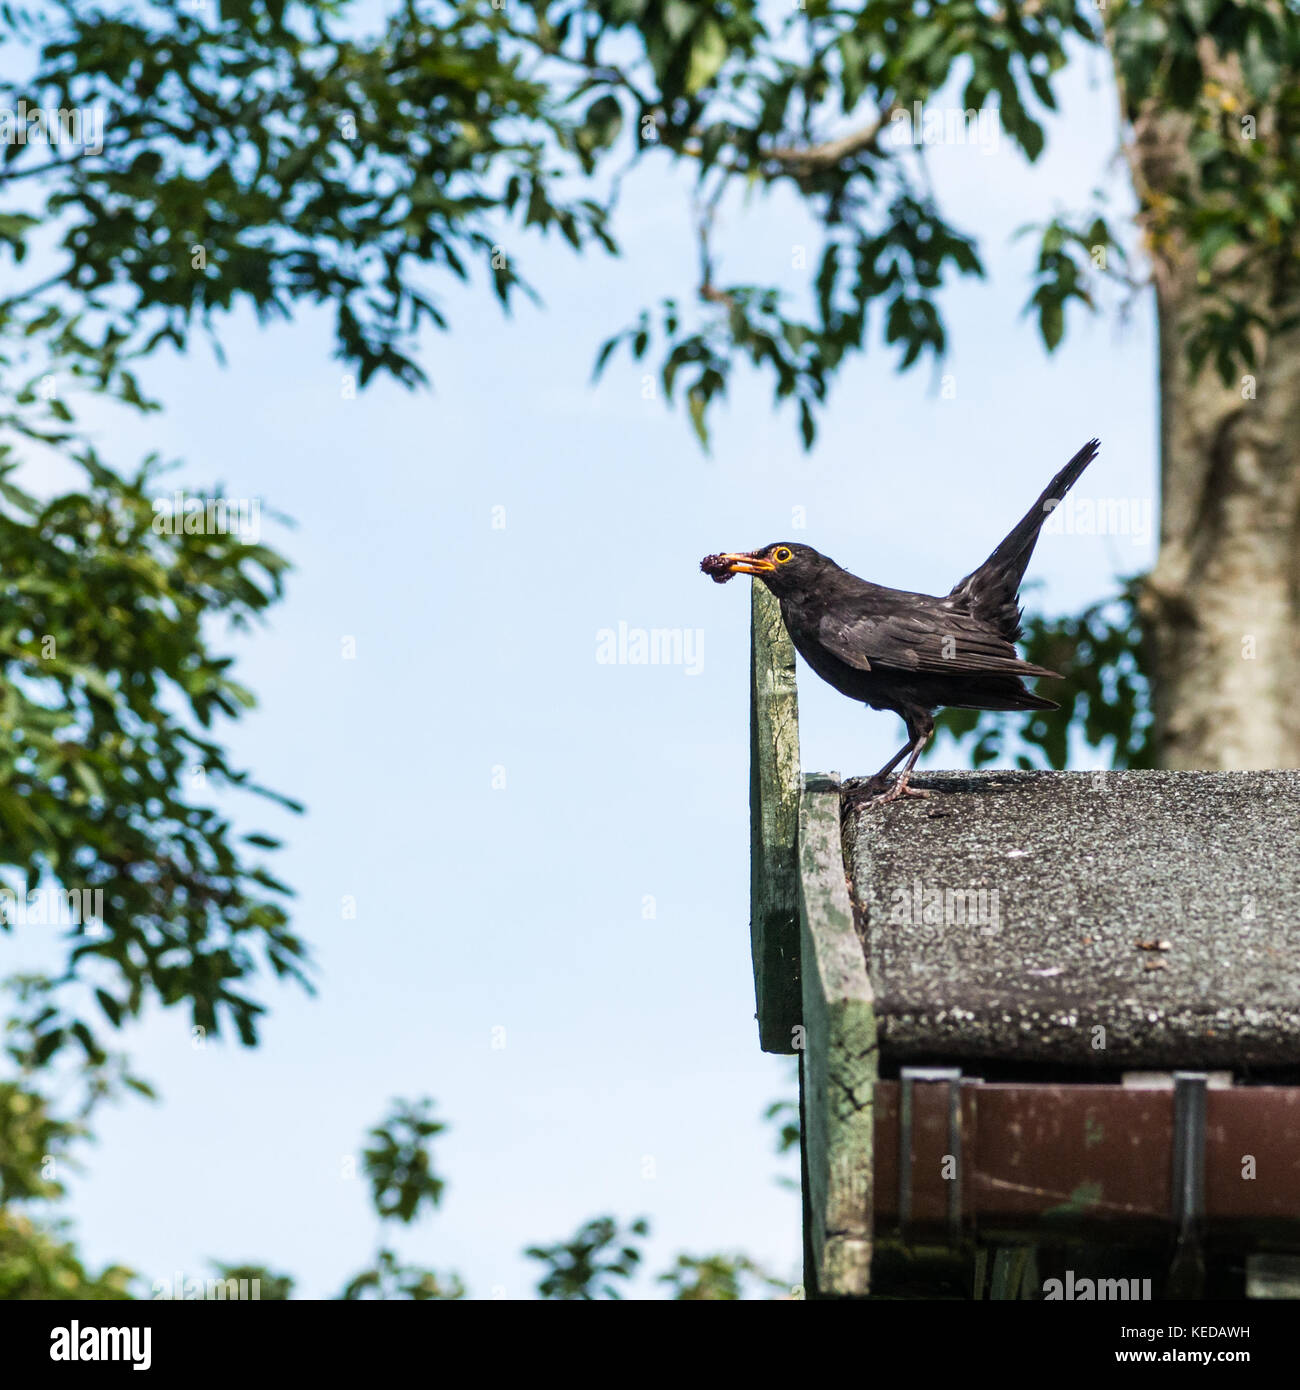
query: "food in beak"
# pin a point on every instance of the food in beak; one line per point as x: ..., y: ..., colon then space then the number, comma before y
x: 717, y: 567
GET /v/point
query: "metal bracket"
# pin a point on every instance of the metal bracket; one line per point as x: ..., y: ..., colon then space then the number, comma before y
x: 1187, y: 1269
x: 907, y: 1077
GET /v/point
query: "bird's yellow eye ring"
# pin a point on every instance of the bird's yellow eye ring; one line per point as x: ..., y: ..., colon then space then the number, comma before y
x: 782, y: 556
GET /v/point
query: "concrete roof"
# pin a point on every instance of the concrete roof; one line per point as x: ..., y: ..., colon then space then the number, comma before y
x: 1076, y: 869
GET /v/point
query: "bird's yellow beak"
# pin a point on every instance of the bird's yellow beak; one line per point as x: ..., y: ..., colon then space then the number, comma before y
x: 743, y: 563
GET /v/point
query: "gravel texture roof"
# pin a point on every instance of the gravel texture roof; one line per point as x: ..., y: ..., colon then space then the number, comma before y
x: 1108, y: 919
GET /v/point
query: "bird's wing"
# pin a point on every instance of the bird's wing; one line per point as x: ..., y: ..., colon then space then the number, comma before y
x: 934, y: 639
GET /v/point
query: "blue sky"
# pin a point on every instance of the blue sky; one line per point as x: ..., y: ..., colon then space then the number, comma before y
x: 594, y: 906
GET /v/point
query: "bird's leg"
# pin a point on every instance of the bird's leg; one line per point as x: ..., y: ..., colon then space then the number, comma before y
x: 893, y: 762
x: 877, y: 780
x: 921, y: 729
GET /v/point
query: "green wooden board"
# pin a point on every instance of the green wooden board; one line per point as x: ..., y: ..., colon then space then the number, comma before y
x: 839, y: 1068
x: 774, y: 826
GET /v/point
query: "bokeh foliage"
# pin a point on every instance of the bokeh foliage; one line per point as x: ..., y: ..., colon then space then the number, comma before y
x: 109, y: 688
x: 270, y: 154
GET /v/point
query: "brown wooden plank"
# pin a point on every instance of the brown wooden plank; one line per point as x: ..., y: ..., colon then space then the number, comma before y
x: 1079, y: 1162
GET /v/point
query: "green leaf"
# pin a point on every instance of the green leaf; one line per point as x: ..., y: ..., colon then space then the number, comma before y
x: 604, y: 120
x: 110, y: 1006
x: 679, y: 15
x: 603, y: 356
x: 1051, y: 322
x: 697, y: 403
x: 708, y: 53
x: 1216, y: 239
x: 921, y: 42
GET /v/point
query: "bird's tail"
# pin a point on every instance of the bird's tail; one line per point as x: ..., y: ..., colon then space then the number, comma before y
x: 990, y: 592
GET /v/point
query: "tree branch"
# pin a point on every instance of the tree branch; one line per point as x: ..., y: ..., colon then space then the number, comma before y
x: 811, y: 158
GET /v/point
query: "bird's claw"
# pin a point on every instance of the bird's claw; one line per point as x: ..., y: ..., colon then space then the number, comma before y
x: 898, y: 790
x: 880, y: 791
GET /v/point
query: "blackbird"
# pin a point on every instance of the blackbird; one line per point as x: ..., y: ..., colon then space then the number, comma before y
x: 910, y: 653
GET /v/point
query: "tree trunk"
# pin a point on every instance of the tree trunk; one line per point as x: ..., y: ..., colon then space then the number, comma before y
x: 1221, y: 609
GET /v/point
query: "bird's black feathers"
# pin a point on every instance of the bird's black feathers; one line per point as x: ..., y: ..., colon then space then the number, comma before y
x: 910, y: 652
x: 990, y: 593
x: 917, y: 636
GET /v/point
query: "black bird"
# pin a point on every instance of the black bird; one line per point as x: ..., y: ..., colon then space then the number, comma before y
x: 911, y: 653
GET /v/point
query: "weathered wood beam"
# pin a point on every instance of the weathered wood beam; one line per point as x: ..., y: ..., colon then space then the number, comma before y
x: 839, y: 1068
x: 774, y: 826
